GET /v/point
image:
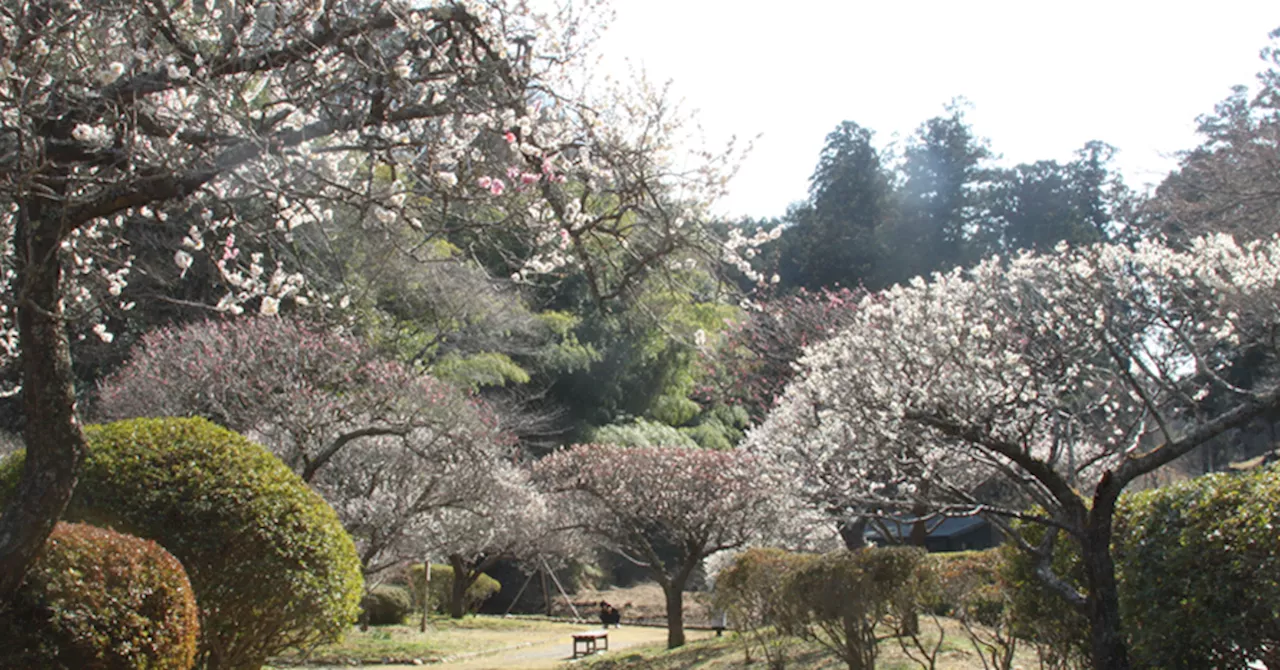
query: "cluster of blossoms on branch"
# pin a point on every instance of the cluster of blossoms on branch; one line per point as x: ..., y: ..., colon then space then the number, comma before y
x: 1082, y: 362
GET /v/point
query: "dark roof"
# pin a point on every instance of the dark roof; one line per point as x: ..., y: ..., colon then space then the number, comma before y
x: 949, y: 527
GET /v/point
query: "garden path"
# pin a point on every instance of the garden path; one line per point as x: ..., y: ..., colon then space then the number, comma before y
x: 551, y: 651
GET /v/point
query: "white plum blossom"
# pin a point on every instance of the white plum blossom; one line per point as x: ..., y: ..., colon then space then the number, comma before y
x: 95, y: 135
x: 103, y: 334
x: 183, y: 260
x: 270, y: 306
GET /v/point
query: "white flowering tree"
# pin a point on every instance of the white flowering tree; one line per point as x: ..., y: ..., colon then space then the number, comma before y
x: 1066, y: 375
x: 506, y: 518
x: 119, y: 112
x: 663, y: 508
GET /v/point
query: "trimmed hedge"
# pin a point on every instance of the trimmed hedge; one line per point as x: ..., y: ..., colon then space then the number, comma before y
x: 103, y: 600
x: 385, y: 605
x: 1039, y: 615
x: 751, y: 592
x: 1199, y: 569
x: 442, y: 588
x: 967, y: 586
x: 838, y: 599
x: 752, y: 588
x: 271, y: 566
x: 1198, y: 566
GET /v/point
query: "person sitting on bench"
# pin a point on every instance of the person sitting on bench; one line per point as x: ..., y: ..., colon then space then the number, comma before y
x: 609, y: 615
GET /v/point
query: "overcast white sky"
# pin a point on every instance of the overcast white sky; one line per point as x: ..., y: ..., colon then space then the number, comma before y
x: 1043, y: 78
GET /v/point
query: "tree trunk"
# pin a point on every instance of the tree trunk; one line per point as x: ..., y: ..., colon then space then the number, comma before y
x: 674, y: 590
x: 918, y: 538
x: 426, y: 593
x: 546, y: 591
x: 919, y: 528
x: 462, y: 580
x: 1106, y: 636
x: 853, y: 533
x: 54, y: 442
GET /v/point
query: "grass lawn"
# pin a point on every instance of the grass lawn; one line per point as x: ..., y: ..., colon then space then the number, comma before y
x: 533, y: 643
x: 727, y: 653
x: 445, y: 637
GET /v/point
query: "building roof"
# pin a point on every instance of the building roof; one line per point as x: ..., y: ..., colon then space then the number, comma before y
x: 941, y: 528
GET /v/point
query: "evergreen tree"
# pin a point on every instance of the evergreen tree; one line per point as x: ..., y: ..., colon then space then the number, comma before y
x: 831, y: 239
x: 939, y: 201
x: 1037, y: 205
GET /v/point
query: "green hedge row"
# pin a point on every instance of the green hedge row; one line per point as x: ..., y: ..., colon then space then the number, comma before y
x: 1198, y: 565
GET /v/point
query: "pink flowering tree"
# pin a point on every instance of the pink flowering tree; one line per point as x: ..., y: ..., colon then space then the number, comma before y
x: 754, y: 362
x: 386, y: 446
x: 1065, y: 375
x: 257, y: 121
x: 663, y: 508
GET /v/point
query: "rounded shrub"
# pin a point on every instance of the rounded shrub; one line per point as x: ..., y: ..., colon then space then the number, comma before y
x: 442, y: 587
x: 270, y: 564
x: 101, y: 600
x: 838, y: 600
x: 385, y: 605
x: 751, y: 588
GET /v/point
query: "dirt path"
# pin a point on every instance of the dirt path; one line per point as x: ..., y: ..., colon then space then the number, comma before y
x: 552, y: 651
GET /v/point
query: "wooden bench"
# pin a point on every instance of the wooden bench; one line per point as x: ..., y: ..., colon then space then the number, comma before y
x: 592, y: 641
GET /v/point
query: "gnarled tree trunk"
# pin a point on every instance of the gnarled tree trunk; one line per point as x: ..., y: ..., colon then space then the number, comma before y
x: 1106, y: 634
x: 55, y: 444
x: 462, y: 580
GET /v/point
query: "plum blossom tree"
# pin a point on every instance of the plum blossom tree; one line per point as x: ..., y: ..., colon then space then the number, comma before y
x: 754, y: 361
x: 1066, y: 375
x: 663, y: 508
x: 119, y: 112
x: 509, y: 519
x: 386, y: 446
x: 389, y: 492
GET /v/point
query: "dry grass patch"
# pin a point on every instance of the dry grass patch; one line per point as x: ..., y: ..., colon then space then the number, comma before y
x: 642, y: 603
